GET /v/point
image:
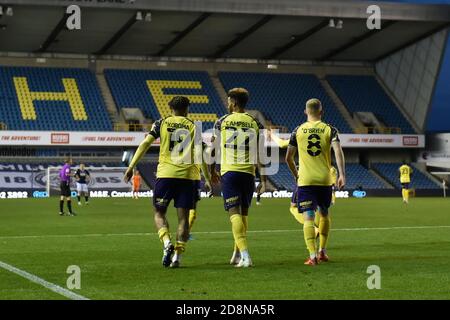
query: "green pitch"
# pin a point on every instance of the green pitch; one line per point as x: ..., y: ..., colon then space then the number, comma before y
x: 113, y: 241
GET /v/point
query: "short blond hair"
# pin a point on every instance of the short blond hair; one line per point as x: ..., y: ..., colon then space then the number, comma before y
x: 314, y: 106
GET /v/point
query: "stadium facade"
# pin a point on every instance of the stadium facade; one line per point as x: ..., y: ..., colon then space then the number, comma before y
x: 93, y: 92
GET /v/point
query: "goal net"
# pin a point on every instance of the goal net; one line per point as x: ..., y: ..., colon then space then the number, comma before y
x: 103, y: 182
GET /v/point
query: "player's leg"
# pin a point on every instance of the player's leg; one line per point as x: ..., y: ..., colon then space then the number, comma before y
x: 193, y: 212
x: 138, y: 189
x: 61, y: 205
x: 324, y: 202
x: 333, y: 195
x: 79, y: 191
x: 231, y: 190
x: 405, y: 192
x: 185, y: 197
x: 62, y: 187
x: 69, y: 204
x: 247, y: 189
x: 307, y: 204
x: 293, y: 208
x: 86, y: 193
x: 182, y: 236
x: 161, y: 200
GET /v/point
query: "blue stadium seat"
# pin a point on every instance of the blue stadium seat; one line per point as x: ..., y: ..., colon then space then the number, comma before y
x: 357, y: 176
x: 281, y: 97
x: 130, y: 90
x: 53, y: 113
x: 364, y: 93
x: 418, y: 180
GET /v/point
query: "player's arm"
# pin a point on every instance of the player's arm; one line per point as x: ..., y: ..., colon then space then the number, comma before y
x: 340, y: 159
x: 142, y: 149
x: 282, y: 143
x: 259, y: 166
x: 77, y: 176
x: 290, y: 154
x: 205, y: 168
x: 290, y: 160
x: 211, y: 151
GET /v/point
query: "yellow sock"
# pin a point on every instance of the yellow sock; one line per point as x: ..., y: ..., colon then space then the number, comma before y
x: 333, y: 197
x: 180, y: 247
x: 297, y: 216
x: 317, y: 219
x: 310, y: 239
x: 324, y: 231
x: 238, y: 228
x: 192, y: 217
x: 164, y: 235
x: 245, y: 221
x: 407, y: 195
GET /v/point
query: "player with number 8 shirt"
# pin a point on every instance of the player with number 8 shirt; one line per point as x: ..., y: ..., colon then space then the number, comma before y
x: 313, y: 141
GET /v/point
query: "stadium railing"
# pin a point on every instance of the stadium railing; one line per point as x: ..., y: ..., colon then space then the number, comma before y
x: 132, y: 126
x: 378, y: 130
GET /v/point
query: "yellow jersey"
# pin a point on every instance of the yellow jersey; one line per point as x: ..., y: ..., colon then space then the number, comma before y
x: 405, y: 173
x: 313, y: 142
x: 178, y: 153
x: 333, y: 174
x: 239, y: 137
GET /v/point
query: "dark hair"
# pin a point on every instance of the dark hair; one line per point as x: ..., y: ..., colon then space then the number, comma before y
x: 239, y: 95
x: 179, y: 103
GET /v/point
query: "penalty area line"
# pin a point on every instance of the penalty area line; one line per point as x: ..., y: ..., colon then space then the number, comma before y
x: 139, y: 234
x: 48, y: 285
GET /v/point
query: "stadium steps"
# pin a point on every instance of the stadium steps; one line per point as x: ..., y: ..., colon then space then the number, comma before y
x: 339, y: 104
x: 398, y: 105
x: 108, y: 98
x: 220, y: 89
x: 420, y: 168
x: 387, y: 184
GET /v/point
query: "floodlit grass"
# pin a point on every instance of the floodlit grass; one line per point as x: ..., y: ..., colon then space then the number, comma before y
x: 114, y: 243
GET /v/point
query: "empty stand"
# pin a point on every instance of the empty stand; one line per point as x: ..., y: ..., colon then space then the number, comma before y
x: 151, y: 91
x: 357, y: 176
x: 281, y: 97
x: 418, y: 179
x: 364, y: 93
x: 51, y: 99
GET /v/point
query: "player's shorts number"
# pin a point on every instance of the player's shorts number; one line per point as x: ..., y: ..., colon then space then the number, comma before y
x: 314, y: 148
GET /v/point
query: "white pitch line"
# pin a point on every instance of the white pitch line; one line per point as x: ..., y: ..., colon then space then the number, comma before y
x: 51, y: 286
x: 211, y: 232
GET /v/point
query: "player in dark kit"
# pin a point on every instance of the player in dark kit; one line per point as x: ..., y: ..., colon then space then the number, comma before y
x: 82, y: 177
x: 64, y: 177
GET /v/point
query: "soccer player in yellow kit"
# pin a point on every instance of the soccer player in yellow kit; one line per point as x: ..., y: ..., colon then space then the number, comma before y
x: 313, y: 141
x: 177, y: 174
x: 283, y: 144
x: 405, y: 172
x: 236, y: 135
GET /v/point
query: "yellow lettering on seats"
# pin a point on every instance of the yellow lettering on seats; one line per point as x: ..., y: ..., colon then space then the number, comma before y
x: 161, y: 99
x: 71, y: 94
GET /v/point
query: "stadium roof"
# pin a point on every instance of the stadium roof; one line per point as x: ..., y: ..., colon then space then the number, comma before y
x: 249, y: 29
